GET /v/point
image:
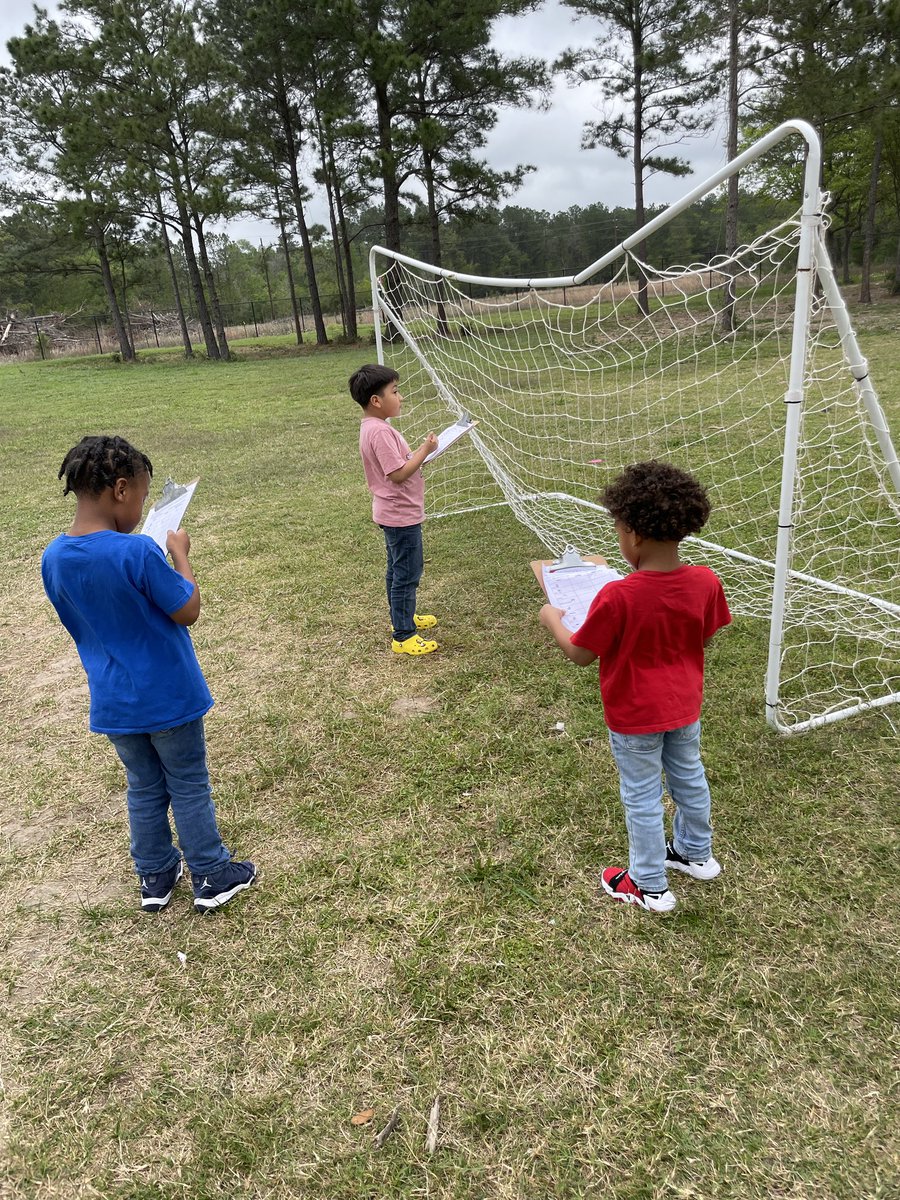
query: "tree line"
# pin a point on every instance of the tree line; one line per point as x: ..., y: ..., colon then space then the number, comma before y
x: 133, y: 128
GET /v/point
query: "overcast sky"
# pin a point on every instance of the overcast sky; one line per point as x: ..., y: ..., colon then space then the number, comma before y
x: 551, y: 140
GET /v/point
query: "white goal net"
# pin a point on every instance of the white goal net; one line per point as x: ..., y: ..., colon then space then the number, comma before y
x: 766, y: 399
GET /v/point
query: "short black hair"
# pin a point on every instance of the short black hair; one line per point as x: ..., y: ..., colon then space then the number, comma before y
x: 97, y: 462
x: 370, y: 379
x: 658, y: 501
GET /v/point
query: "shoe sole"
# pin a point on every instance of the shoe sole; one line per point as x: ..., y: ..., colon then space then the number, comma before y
x: 158, y: 903
x: 690, y: 869
x: 207, y: 906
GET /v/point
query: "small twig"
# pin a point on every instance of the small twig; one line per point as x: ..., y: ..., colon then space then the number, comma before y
x: 393, y: 1122
x: 433, y: 1118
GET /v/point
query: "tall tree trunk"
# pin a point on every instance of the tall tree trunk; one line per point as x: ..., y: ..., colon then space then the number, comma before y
x: 332, y: 218
x: 391, y: 192
x: 846, y: 239
x: 643, y: 301
x: 729, y: 297
x: 286, y: 246
x: 125, y: 347
x: 352, y: 330
x: 211, y: 290
x: 293, y: 150
x: 173, y: 275
x: 434, y: 226
x: 865, y: 286
x: 190, y: 257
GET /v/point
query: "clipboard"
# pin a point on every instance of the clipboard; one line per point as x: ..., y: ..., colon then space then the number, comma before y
x: 572, y: 582
x: 168, y: 510
x: 448, y: 436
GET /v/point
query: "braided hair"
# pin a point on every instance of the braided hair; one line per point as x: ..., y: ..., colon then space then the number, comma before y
x: 97, y: 462
x: 658, y: 501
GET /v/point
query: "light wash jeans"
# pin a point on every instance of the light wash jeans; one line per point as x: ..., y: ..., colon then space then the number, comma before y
x: 163, y: 768
x: 641, y: 759
x: 405, y: 562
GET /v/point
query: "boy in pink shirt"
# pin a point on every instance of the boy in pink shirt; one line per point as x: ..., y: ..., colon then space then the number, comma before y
x: 649, y: 631
x: 394, y: 478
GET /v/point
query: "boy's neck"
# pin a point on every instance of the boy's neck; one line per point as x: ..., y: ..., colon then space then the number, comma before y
x: 92, y: 516
x: 377, y: 413
x: 658, y: 556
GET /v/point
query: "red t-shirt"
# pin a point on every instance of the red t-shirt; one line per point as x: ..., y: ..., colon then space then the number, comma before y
x: 648, y: 631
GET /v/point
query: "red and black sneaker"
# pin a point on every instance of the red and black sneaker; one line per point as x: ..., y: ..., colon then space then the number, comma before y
x: 619, y: 884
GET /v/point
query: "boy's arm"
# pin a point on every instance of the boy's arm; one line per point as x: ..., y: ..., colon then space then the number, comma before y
x: 179, y: 544
x: 415, y: 460
x: 551, y: 618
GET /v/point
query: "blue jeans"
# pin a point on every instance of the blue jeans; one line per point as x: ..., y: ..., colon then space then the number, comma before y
x: 405, y: 560
x: 641, y: 759
x: 169, y: 767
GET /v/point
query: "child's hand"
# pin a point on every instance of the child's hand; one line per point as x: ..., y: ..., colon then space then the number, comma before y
x: 430, y: 441
x: 550, y: 615
x: 178, y: 541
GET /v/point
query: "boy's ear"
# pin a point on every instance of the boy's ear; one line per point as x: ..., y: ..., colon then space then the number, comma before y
x: 120, y: 487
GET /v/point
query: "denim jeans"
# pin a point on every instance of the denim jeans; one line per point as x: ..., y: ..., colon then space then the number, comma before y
x: 641, y: 759
x: 169, y: 768
x: 405, y: 561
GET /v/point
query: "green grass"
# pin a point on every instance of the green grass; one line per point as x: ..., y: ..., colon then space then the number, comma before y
x: 428, y: 918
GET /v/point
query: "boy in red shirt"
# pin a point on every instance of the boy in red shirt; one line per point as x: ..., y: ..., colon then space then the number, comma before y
x: 394, y: 477
x: 649, y: 631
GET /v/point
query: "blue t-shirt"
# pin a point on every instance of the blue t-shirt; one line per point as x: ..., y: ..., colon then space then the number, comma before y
x: 114, y: 593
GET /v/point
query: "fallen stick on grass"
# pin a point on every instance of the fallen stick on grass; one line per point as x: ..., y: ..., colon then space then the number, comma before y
x: 393, y: 1122
x: 433, y: 1118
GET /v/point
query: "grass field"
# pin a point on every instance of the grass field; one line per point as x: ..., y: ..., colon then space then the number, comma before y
x: 428, y: 920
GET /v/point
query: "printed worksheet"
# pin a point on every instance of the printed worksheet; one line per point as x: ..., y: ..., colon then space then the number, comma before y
x: 451, y: 434
x: 574, y: 588
x: 168, y: 511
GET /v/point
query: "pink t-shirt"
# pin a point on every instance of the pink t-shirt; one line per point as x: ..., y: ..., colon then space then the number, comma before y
x: 384, y: 450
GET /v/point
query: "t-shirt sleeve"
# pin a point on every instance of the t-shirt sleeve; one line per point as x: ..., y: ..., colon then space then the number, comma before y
x: 161, y: 582
x: 718, y: 613
x: 387, y: 449
x: 600, y: 630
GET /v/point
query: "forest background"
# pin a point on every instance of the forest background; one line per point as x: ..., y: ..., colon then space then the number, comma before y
x: 135, y: 128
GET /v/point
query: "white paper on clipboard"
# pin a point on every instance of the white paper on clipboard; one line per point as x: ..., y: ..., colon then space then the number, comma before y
x: 168, y: 511
x: 574, y: 588
x: 451, y: 434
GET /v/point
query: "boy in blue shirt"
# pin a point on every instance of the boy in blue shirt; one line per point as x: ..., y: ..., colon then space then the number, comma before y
x: 128, y: 611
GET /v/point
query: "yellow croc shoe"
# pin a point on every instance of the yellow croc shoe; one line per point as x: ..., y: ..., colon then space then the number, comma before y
x: 424, y: 620
x: 413, y: 645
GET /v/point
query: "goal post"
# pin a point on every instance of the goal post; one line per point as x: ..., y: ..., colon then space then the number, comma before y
x: 772, y: 408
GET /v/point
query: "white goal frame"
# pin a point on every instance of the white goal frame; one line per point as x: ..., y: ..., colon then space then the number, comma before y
x: 813, y: 264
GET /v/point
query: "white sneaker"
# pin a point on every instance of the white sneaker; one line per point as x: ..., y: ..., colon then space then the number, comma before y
x: 708, y: 869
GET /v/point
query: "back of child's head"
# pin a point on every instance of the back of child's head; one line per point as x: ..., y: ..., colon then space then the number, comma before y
x: 97, y: 462
x: 370, y: 379
x: 657, y: 501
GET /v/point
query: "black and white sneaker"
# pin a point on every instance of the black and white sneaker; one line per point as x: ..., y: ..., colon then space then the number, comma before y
x: 156, y: 890
x: 214, y: 890
x: 708, y: 869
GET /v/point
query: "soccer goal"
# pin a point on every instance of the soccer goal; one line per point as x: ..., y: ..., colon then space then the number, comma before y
x: 744, y: 370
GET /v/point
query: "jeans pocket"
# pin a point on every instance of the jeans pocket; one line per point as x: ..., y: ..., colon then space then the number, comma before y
x: 689, y: 733
x: 637, y: 743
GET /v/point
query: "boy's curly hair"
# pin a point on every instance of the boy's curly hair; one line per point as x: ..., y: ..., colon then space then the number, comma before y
x: 97, y: 462
x: 657, y: 501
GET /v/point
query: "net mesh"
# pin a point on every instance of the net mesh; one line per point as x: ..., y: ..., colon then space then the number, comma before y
x: 569, y: 385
